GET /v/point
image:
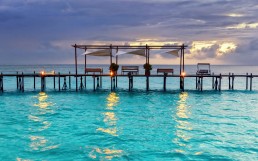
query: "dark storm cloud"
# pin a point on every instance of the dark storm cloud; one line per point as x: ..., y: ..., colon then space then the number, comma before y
x: 41, y: 31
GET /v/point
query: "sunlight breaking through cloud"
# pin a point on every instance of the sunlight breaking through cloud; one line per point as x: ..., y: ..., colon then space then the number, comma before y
x: 226, y: 48
x: 244, y: 26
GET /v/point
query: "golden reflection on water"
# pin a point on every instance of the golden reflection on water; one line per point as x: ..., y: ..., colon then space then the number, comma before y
x: 110, y: 118
x: 105, y: 154
x: 183, y: 126
x: 43, y: 103
x: 40, y: 142
x: 182, y: 114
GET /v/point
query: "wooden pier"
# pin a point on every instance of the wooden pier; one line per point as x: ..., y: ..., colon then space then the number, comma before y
x: 114, y: 80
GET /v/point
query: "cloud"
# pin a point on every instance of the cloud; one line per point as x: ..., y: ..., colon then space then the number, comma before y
x: 244, y: 26
x: 49, y: 27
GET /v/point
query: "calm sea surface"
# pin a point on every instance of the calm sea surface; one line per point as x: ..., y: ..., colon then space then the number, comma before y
x: 122, y: 125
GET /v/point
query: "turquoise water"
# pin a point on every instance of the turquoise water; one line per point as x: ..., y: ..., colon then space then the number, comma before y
x: 122, y: 125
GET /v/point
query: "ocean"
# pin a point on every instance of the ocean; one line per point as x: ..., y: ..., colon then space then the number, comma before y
x: 122, y: 125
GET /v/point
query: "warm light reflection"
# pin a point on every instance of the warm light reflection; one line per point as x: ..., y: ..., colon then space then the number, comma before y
x: 20, y: 159
x: 183, y: 125
x: 40, y: 143
x: 37, y: 142
x: 110, y: 116
x: 42, y: 97
x: 42, y: 72
x: 183, y: 74
x: 110, y: 120
x: 105, y: 153
x: 112, y: 100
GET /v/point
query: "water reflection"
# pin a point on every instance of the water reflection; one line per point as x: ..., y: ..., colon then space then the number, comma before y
x: 42, y: 100
x: 40, y: 124
x: 183, y: 126
x: 110, y: 118
x: 105, y: 154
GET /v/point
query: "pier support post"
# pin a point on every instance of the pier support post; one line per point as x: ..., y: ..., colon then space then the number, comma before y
x: 59, y: 82
x: 147, y: 83
x: 216, y: 83
x: 182, y: 83
x: 64, y: 85
x: 251, y: 81
x: 70, y: 80
x: 43, y: 83
x: 34, y: 80
x: 233, y: 78
x: 94, y: 86
x: 229, y: 81
x: 220, y: 82
x: 246, y: 81
x: 130, y: 81
x: 201, y: 83
x: 196, y: 83
x: 116, y: 81
x: 111, y: 84
x: 54, y: 80
x: 212, y: 80
x: 81, y: 84
x: 1, y: 83
x: 17, y: 80
x: 98, y: 82
x: 165, y: 81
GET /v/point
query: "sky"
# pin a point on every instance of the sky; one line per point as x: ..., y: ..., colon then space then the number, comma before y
x: 42, y: 31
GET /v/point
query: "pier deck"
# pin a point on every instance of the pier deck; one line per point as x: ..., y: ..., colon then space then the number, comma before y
x: 97, y: 80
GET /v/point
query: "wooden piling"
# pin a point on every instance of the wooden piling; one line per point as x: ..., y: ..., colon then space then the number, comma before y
x: 34, y: 80
x: 220, y: 82
x: 246, y: 81
x: 233, y: 79
x: 17, y: 79
x: 196, y: 83
x: 229, y: 81
x: 251, y: 81
x: 59, y: 82
x: 70, y: 80
x: 22, y: 82
x: 94, y: 86
x: 43, y: 86
x: 165, y: 81
x: 212, y: 80
x: 1, y: 83
x: 54, y: 80
x: 201, y: 83
x: 147, y: 83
